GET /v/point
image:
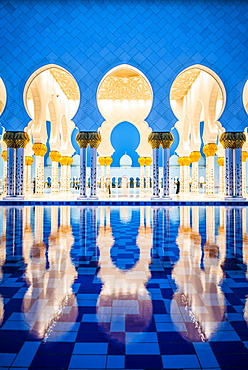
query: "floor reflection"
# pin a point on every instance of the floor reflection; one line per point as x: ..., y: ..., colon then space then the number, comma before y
x: 124, y: 276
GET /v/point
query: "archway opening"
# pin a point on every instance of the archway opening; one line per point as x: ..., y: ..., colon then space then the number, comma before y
x: 124, y: 95
x: 125, y: 139
x: 197, y: 95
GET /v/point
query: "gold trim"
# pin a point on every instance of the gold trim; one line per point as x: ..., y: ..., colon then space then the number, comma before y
x: 108, y: 161
x: 102, y: 161
x: 55, y: 156
x: 28, y: 160
x: 148, y: 161
x: 195, y: 156
x: 184, y: 161
x: 210, y: 149
x: 39, y: 149
x: 221, y: 161
x: 4, y: 155
x: 142, y: 161
x: 65, y: 160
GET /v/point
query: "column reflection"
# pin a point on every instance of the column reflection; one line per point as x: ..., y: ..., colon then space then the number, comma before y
x: 2, y: 257
x: 124, y: 301
x: 198, y: 275
x: 49, y: 304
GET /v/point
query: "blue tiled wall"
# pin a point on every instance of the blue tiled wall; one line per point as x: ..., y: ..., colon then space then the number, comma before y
x: 88, y: 38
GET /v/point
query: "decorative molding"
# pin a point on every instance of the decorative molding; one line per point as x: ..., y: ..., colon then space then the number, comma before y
x: 129, y: 88
x: 183, y: 83
x: 67, y: 83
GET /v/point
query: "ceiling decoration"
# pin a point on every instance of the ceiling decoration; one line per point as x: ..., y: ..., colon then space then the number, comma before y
x: 125, y: 84
x: 67, y: 83
x: 182, y: 83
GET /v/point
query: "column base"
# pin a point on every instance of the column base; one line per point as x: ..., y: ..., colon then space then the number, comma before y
x: 234, y: 198
x: 13, y: 197
x: 210, y: 196
x: 93, y: 197
x: 38, y: 195
x: 166, y: 197
x: 82, y: 197
x: 155, y: 198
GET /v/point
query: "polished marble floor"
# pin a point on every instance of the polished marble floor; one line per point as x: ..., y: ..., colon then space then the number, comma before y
x: 123, y: 287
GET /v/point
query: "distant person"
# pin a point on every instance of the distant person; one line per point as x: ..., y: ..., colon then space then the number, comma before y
x: 34, y: 186
x: 177, y: 186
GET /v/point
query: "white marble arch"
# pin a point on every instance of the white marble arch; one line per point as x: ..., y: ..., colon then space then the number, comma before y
x: 204, y: 101
x: 116, y: 111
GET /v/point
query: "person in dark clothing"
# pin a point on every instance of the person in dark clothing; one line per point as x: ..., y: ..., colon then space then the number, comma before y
x: 177, y: 186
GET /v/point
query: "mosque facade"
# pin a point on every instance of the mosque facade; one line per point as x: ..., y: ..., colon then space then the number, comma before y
x: 72, y: 71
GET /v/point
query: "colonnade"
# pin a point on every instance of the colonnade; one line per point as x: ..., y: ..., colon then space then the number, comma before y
x: 232, y: 178
x: 165, y: 139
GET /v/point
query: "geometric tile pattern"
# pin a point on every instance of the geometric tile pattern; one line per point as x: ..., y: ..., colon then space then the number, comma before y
x: 89, y: 38
x: 68, y: 301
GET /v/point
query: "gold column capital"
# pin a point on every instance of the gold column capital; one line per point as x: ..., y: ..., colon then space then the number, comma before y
x: 221, y: 161
x: 195, y: 156
x: 154, y: 139
x: 94, y: 139
x: 55, y: 156
x: 16, y: 139
x: 227, y: 139
x: 9, y: 139
x: 184, y: 161
x: 4, y: 155
x: 65, y: 160
x: 148, y: 161
x: 39, y: 149
x: 102, y: 160
x: 240, y: 139
x: 210, y: 149
x: 21, y: 139
x: 108, y: 161
x: 28, y: 160
x: 166, y: 139
x: 82, y: 139
x: 141, y: 161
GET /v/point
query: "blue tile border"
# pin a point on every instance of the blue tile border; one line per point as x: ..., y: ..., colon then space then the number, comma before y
x: 120, y: 203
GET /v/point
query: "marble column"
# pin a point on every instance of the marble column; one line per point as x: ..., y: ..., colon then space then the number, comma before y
x: 65, y: 175
x: 28, y: 163
x: 16, y: 142
x: 244, y: 158
x: 9, y: 139
x: 195, y: 156
x: 21, y: 140
x: 210, y: 150
x: 39, y: 152
x: 240, y: 139
x: 108, y: 162
x: 155, y: 140
x: 166, y: 141
x: 94, y: 141
x: 4, y: 155
x: 101, y: 160
x: 221, y: 162
x: 148, y: 164
x: 142, y: 162
x: 82, y: 139
x: 184, y: 163
x: 55, y: 158
x: 232, y: 143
